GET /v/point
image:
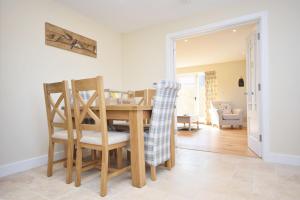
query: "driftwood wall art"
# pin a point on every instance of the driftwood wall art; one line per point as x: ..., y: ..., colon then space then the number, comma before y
x: 64, y: 39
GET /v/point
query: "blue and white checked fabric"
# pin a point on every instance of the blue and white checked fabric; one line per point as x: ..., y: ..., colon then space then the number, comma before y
x: 157, y: 141
x: 84, y: 94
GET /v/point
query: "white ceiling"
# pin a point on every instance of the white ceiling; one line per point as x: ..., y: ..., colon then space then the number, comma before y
x: 217, y: 47
x: 129, y: 15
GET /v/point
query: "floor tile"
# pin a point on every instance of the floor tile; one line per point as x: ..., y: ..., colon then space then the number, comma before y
x: 196, y: 175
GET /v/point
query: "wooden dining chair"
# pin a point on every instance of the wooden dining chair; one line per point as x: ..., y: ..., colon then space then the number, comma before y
x: 139, y: 97
x: 59, y: 124
x: 96, y: 136
x: 145, y: 96
x: 157, y: 140
x: 118, y: 97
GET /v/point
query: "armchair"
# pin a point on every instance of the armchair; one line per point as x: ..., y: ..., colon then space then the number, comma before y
x: 221, y: 113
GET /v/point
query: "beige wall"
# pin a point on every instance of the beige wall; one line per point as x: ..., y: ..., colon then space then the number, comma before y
x: 228, y: 75
x: 144, y: 61
x: 26, y: 62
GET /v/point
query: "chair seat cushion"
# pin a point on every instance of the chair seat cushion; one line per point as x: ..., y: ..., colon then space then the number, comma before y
x: 226, y: 108
x: 63, y: 134
x: 93, y: 137
x: 231, y: 116
x: 125, y: 123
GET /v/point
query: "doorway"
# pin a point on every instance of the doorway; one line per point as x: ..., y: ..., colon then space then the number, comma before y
x: 259, y: 128
x: 191, y: 97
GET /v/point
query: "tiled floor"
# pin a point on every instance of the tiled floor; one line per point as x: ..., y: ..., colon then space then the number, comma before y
x: 212, y: 139
x: 197, y: 175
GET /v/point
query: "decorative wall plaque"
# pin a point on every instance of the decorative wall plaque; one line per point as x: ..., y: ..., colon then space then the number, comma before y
x: 61, y: 38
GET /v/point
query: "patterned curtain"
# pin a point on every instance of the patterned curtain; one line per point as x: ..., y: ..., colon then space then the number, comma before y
x: 210, y: 90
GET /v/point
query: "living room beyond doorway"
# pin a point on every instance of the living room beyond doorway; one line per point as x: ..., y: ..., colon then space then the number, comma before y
x: 213, y: 103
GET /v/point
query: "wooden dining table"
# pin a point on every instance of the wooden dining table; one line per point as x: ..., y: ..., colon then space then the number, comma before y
x: 135, y: 115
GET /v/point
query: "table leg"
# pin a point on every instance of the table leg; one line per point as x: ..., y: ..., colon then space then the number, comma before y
x: 137, y: 156
x: 190, y: 122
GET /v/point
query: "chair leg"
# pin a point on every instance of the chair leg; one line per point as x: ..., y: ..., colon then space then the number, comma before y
x: 69, y: 162
x: 94, y: 154
x: 112, y: 155
x: 50, y: 158
x: 153, y: 173
x: 100, y: 155
x: 66, y: 154
x: 78, y: 166
x: 168, y: 164
x: 119, y: 158
x: 104, y: 173
x: 74, y: 152
x: 128, y: 156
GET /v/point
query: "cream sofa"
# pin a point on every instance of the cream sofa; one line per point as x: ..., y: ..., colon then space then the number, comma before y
x: 222, y: 114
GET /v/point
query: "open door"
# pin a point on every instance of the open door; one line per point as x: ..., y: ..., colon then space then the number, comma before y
x: 253, y: 94
x: 188, y: 96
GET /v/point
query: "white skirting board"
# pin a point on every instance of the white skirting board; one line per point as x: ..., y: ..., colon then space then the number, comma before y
x: 24, y: 165
x: 282, y: 159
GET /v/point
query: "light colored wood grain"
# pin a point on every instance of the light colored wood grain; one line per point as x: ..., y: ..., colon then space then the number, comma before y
x: 98, y: 113
x: 52, y: 109
x: 61, y: 38
x: 225, y: 141
x: 168, y: 164
x: 117, y: 114
x: 126, y: 112
x: 104, y: 172
x: 150, y: 95
x: 94, y: 154
x: 78, y: 166
x: 128, y: 107
x: 118, y: 172
x: 137, y: 148
x: 119, y: 158
x: 50, y: 158
x: 153, y: 173
x: 66, y: 155
x: 146, y: 96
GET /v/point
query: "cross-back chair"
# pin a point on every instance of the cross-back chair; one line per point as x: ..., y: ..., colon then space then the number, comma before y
x: 139, y: 97
x: 96, y: 136
x: 146, y: 96
x: 118, y: 97
x: 59, y: 124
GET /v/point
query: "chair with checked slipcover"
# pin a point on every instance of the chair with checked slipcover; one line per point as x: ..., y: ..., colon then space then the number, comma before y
x: 157, y: 140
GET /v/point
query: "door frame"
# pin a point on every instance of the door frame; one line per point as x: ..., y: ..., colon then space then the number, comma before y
x: 261, y: 18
